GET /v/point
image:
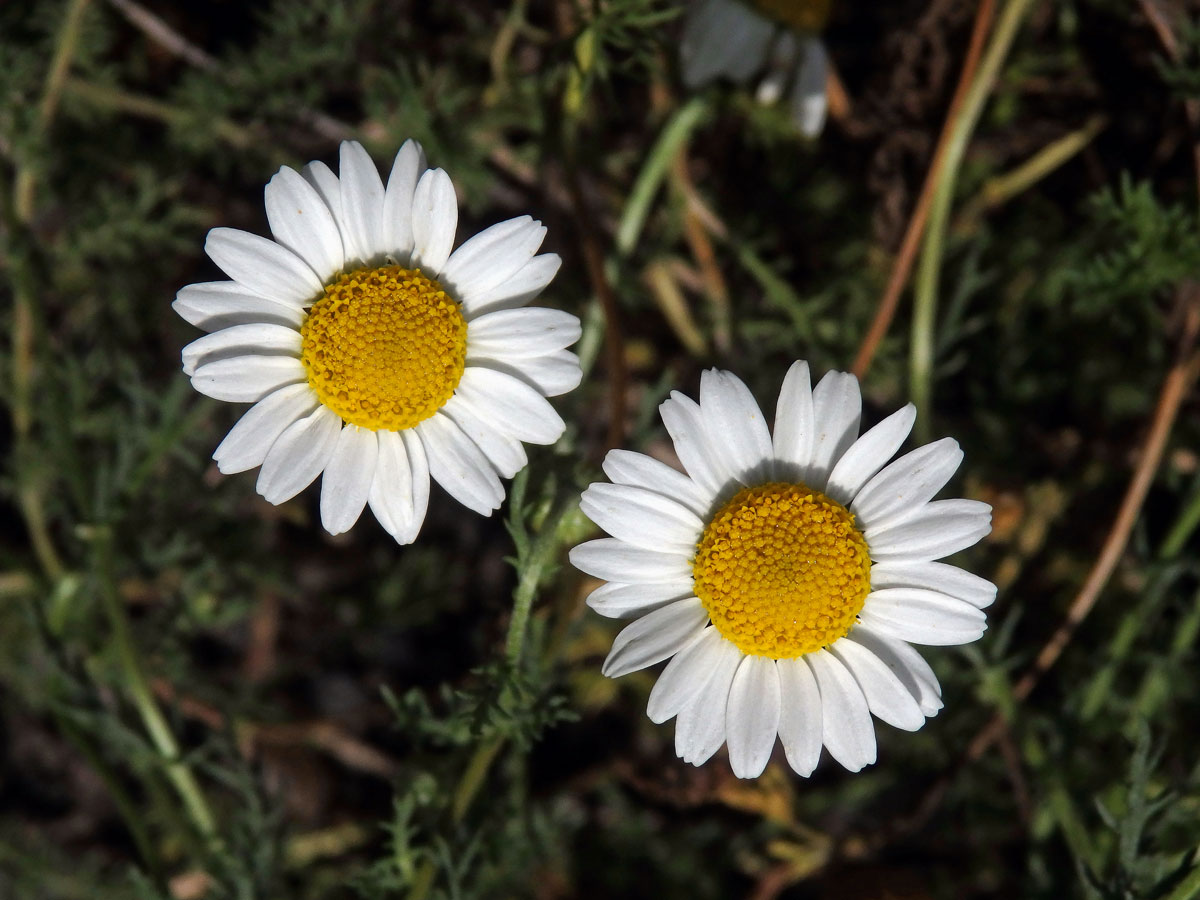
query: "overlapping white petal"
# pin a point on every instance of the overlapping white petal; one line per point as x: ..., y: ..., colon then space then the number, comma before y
x: 324, y: 224
x: 824, y: 699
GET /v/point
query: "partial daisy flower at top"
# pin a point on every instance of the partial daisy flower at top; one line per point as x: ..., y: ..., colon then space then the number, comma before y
x: 784, y: 575
x: 374, y: 355
x: 771, y: 41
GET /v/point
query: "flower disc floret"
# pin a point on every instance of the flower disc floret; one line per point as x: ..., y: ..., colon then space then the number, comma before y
x: 782, y: 570
x: 384, y: 348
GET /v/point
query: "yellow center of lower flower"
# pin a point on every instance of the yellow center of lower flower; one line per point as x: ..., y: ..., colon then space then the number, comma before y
x: 801, y: 15
x: 782, y: 570
x: 384, y: 348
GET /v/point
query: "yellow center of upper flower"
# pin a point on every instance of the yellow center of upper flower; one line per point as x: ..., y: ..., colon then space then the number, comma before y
x: 384, y: 348
x: 782, y: 570
x: 801, y: 15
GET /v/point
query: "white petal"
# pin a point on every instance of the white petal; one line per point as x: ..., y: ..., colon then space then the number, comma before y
x: 700, y: 727
x: 298, y: 456
x: 613, y: 560
x: 809, y: 103
x: 887, y: 697
x: 937, y: 529
x: 869, y: 454
x: 794, y: 427
x: 922, y: 617
x: 655, y: 636
x: 362, y: 204
x: 347, y: 479
x: 459, y: 466
x: 302, y: 222
x: 846, y: 726
x: 399, y: 493
x: 216, y: 305
x: 492, y: 257
x: 907, y: 484
x: 529, y: 281
x: 681, y: 416
x: 621, y: 601
x: 687, y: 673
x: 397, y: 201
x: 837, y: 407
x: 723, y: 39
x: 503, y: 451
x: 521, y: 333
x: 435, y: 219
x: 321, y: 177
x: 263, y: 267
x: 248, y: 442
x: 907, y: 664
x: 247, y: 379
x: 639, y: 470
x: 752, y: 716
x: 735, y: 427
x: 800, y: 716
x: 510, y: 403
x: 551, y: 375
x: 641, y: 518
x: 936, y: 577
x: 241, y: 340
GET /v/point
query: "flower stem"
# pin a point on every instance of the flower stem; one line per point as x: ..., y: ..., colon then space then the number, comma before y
x: 178, y: 772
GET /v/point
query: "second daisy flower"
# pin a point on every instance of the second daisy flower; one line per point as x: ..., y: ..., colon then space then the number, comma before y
x: 785, y: 575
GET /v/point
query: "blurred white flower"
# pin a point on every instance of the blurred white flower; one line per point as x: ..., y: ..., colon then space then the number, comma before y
x: 771, y: 41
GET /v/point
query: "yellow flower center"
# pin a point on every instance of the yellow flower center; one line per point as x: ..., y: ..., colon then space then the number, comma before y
x: 801, y: 15
x: 384, y: 348
x: 782, y: 570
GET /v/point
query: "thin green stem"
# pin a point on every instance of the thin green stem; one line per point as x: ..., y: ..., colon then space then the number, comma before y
x: 542, y: 552
x: 104, y: 97
x: 136, y: 682
x: 60, y: 65
x: 1185, y: 525
x: 658, y: 161
x: 929, y: 267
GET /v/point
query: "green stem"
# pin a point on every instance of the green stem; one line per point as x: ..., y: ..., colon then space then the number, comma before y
x: 673, y: 136
x: 932, y: 250
x: 177, y: 770
x: 1183, y: 528
x: 124, y: 803
x: 105, y: 97
x: 542, y: 553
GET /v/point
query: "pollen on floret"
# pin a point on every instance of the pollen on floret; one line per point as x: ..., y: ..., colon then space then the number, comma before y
x: 782, y: 570
x: 384, y: 348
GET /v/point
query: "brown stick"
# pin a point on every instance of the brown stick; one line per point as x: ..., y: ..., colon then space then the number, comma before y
x: 1175, y: 388
x: 1157, y: 17
x: 902, y: 267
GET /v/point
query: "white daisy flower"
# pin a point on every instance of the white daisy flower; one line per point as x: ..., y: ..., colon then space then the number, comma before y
x: 785, y: 575
x: 372, y: 353
x: 772, y: 40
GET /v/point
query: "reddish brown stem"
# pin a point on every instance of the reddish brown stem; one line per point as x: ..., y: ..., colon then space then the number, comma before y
x: 902, y: 267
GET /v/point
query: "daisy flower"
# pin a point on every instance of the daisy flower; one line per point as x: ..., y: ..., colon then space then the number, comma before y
x: 773, y: 40
x: 784, y: 575
x: 373, y: 354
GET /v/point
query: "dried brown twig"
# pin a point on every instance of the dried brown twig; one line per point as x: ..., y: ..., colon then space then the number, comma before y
x: 902, y: 267
x: 1175, y: 388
